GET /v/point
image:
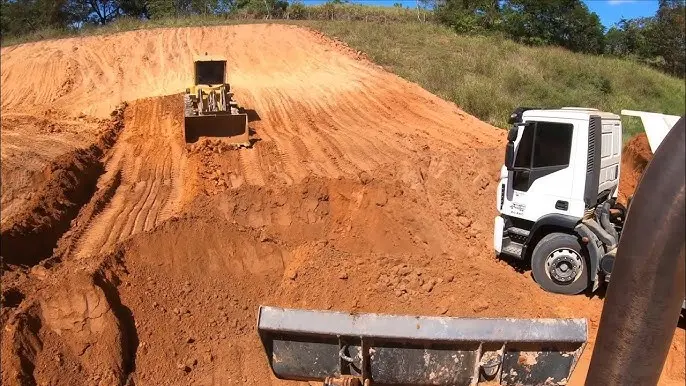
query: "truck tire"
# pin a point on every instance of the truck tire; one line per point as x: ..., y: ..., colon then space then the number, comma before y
x: 558, y: 264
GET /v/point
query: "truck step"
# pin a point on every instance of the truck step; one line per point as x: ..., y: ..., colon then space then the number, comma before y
x: 518, y: 231
x: 512, y: 248
x: 518, y: 235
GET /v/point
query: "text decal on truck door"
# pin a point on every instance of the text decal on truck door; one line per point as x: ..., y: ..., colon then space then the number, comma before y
x: 517, y: 208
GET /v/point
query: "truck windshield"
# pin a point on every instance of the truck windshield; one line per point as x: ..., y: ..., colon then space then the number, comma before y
x: 545, y: 144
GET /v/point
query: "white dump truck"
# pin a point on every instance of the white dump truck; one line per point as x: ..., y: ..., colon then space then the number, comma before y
x: 557, y: 193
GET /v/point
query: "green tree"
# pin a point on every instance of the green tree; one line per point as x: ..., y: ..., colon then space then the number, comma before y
x: 667, y: 37
x: 179, y: 8
x: 296, y: 10
x: 629, y: 38
x: 135, y: 8
x: 262, y: 8
x: 468, y: 15
x: 103, y: 11
x: 19, y: 17
x: 567, y: 23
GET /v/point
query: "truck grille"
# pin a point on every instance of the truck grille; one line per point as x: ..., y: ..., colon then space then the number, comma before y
x: 591, y: 145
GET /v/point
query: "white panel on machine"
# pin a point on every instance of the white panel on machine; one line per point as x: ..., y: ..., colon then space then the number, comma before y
x: 609, y: 155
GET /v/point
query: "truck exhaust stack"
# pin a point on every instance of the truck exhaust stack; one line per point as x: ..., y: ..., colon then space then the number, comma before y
x: 363, y: 349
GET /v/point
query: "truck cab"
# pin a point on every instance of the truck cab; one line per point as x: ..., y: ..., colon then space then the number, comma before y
x: 556, y: 194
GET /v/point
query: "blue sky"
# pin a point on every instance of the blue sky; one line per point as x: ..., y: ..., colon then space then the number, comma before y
x: 609, y: 11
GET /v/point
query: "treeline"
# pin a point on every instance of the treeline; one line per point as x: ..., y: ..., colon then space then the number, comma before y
x: 658, y: 40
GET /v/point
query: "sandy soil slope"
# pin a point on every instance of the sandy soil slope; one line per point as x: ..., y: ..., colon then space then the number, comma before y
x: 361, y: 192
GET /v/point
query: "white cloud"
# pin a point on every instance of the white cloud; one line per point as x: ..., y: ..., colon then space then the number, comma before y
x: 620, y: 2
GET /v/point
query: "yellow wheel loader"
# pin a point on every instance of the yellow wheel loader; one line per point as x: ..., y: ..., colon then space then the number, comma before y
x: 209, y: 107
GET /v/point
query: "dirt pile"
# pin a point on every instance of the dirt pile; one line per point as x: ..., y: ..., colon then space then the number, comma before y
x: 30, y: 234
x: 635, y: 157
x: 31, y: 143
x: 362, y: 192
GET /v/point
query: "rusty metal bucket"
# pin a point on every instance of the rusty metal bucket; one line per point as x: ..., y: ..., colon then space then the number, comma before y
x: 342, y: 348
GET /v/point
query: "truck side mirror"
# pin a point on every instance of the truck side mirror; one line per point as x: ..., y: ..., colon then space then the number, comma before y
x: 512, y: 133
x: 509, y: 155
x: 509, y: 149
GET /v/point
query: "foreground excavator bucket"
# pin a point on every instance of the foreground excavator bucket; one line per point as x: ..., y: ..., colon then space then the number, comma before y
x: 371, y: 349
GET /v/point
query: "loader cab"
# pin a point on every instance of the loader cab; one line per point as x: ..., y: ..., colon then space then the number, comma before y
x: 210, y: 71
x: 559, y: 164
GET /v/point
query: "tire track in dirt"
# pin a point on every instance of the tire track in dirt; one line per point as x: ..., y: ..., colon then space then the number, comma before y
x: 366, y: 140
x: 151, y: 159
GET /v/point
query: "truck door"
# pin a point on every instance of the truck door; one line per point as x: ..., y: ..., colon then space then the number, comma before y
x: 542, y: 176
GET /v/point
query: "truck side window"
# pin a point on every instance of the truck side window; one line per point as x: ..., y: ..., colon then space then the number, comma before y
x: 523, y: 158
x: 553, y: 144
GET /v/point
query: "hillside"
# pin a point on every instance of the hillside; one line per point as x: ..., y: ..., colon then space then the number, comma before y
x: 487, y: 76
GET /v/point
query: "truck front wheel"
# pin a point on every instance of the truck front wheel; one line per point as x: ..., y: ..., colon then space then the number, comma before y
x: 558, y: 264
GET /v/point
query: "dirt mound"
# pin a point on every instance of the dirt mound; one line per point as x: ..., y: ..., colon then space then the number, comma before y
x: 635, y: 157
x: 362, y: 244
x: 30, y: 144
x: 71, y: 330
x: 144, y: 180
x: 30, y: 235
x: 361, y: 192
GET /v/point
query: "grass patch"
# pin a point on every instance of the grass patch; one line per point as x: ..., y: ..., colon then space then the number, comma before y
x: 487, y: 76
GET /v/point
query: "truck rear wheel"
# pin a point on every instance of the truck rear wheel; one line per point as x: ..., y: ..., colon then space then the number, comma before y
x: 558, y: 264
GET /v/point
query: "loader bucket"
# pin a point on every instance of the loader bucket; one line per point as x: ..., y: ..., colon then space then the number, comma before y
x: 352, y: 349
x: 231, y: 127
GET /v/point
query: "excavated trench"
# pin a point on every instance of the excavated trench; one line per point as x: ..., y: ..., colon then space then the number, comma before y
x: 30, y: 236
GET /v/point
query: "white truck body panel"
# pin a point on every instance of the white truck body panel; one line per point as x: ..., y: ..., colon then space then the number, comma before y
x: 566, y: 162
x: 498, y: 234
x: 610, y: 156
x: 656, y: 125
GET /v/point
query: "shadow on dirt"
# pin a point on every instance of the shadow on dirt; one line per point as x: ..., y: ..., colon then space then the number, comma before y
x: 520, y: 266
x: 33, y: 233
x: 12, y: 297
x: 253, y: 138
x: 127, y: 322
x: 253, y: 116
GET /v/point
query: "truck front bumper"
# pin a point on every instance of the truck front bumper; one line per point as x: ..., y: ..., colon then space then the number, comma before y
x: 498, y: 229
